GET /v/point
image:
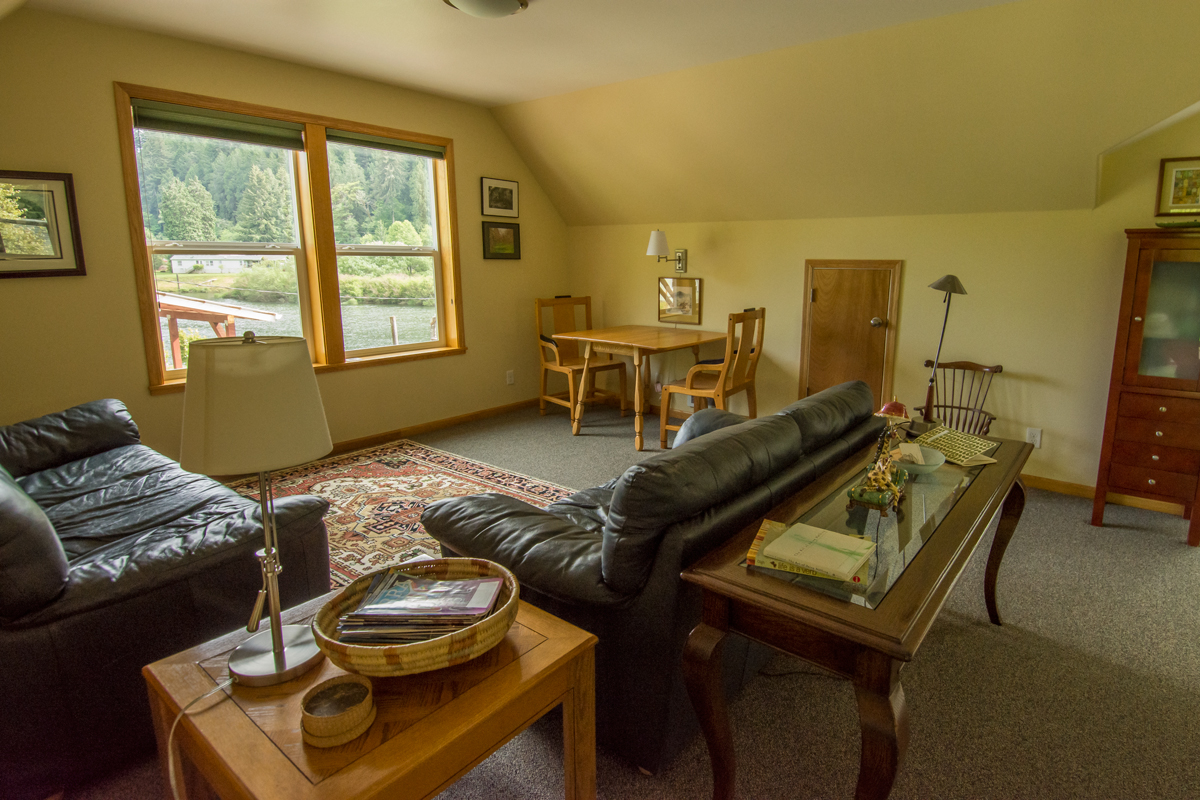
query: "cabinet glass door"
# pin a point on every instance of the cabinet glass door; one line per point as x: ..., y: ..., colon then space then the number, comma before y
x: 1165, y: 335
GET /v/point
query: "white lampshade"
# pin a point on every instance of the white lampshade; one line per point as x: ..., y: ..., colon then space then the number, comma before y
x: 488, y: 9
x: 658, y: 244
x: 251, y: 406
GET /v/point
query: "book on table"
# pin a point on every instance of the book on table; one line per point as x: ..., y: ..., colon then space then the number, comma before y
x: 398, y: 607
x: 805, y: 550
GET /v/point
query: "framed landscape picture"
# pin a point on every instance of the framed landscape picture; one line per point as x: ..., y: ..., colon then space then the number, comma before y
x: 679, y: 300
x: 499, y: 197
x: 501, y: 240
x: 39, y: 228
x: 1178, y: 187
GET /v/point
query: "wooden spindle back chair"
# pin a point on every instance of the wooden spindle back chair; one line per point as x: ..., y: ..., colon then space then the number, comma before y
x: 960, y: 389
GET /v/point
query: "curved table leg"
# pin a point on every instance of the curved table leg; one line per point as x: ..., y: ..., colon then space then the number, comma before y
x: 884, y: 720
x: 702, y: 673
x: 1010, y: 515
x: 577, y: 423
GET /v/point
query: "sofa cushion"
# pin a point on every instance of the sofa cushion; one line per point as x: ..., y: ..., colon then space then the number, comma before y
x: 55, y: 439
x: 706, y: 420
x: 681, y: 483
x: 824, y: 416
x: 33, y: 566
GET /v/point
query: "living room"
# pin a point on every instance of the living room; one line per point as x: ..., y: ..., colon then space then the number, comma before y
x: 1010, y: 145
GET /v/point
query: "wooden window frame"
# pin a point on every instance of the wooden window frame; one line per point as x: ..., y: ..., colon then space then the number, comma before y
x: 318, y: 279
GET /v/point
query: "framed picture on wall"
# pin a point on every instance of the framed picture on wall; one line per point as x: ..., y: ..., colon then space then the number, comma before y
x: 679, y: 300
x: 1178, y: 187
x: 501, y: 240
x: 39, y: 228
x: 499, y: 197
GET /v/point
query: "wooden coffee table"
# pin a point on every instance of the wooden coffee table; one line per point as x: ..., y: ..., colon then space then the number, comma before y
x: 431, y: 729
x: 865, y: 637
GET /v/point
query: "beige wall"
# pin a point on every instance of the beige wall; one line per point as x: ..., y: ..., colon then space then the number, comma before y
x: 1043, y: 291
x: 69, y: 340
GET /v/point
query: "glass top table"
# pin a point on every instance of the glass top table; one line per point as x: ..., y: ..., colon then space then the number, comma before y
x: 898, y: 536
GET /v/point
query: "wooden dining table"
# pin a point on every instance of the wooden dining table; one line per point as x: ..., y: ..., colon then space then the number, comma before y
x: 640, y: 342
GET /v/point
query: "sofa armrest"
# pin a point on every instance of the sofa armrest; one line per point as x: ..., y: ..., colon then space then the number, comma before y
x: 547, y: 553
x: 65, y: 436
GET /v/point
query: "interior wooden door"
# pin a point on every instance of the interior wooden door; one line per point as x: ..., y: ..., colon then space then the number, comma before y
x: 849, y: 325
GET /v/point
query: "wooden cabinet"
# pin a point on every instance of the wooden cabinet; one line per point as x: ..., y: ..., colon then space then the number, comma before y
x: 1152, y: 428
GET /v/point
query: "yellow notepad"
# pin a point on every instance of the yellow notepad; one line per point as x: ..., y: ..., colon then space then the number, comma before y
x: 834, y: 554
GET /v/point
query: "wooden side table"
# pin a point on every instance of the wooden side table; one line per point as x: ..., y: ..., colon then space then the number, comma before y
x: 431, y: 728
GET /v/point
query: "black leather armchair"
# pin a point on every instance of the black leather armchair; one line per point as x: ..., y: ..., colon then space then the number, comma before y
x: 111, y: 557
x: 608, y: 558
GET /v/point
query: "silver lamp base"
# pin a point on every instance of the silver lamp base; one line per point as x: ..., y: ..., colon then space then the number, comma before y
x: 253, y: 662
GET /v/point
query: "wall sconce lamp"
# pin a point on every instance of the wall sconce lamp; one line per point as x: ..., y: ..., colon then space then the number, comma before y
x: 658, y: 247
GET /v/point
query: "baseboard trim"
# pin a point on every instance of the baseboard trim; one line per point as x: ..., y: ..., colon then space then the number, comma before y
x: 416, y: 430
x: 1083, y: 490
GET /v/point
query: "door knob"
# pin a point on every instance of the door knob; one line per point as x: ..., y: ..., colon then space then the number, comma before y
x: 876, y: 322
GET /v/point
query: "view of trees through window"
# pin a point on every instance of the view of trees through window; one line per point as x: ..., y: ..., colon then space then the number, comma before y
x: 199, y: 189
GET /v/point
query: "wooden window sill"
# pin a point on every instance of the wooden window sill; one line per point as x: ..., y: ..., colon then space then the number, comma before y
x: 178, y: 384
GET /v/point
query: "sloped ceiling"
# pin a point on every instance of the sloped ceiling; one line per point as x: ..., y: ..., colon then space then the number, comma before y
x: 1006, y: 108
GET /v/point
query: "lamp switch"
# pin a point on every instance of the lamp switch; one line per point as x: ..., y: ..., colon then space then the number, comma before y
x: 508, y: 378
x: 1034, y: 436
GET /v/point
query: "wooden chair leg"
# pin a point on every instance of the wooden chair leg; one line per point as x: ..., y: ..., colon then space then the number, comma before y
x: 665, y: 402
x: 571, y: 392
x: 544, y: 392
x: 624, y: 379
x: 752, y: 401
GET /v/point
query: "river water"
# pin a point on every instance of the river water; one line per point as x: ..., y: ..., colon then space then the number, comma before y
x: 363, y: 326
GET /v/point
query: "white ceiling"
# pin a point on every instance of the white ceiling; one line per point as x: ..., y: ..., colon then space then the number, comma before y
x: 553, y: 47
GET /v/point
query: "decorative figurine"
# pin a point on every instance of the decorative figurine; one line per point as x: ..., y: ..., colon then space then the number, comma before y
x: 883, y: 485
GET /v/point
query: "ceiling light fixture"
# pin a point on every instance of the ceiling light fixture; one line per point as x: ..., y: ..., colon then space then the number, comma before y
x: 489, y: 9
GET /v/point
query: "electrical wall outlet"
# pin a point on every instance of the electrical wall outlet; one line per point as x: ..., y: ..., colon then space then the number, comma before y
x: 1034, y: 436
x: 509, y: 379
x: 658, y: 386
x: 691, y: 401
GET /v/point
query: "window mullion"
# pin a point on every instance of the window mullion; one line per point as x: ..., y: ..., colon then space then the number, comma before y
x: 323, y: 247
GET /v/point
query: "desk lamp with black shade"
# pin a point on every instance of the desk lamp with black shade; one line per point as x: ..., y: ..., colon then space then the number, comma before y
x: 951, y: 285
x: 252, y: 406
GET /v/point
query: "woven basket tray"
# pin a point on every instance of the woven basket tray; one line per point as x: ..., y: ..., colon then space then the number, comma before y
x: 389, y: 660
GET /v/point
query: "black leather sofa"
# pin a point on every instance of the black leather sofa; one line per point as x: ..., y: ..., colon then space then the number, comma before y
x: 112, y: 557
x: 608, y: 558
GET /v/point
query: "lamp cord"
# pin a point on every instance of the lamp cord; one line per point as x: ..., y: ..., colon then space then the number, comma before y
x: 171, y: 735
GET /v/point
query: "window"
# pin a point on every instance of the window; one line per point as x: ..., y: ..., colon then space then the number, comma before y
x: 249, y: 218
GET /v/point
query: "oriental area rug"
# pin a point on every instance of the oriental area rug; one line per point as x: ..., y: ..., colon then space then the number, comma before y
x: 376, y: 497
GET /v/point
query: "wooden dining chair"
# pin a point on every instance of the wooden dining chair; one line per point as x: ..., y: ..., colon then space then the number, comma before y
x: 717, y: 381
x: 565, y: 358
x: 959, y: 391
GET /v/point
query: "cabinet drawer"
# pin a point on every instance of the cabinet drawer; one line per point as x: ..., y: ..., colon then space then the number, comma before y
x: 1171, y: 434
x: 1167, y: 484
x: 1154, y: 456
x: 1150, y: 406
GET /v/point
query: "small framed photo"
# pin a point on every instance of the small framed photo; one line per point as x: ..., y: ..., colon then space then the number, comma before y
x: 499, y: 197
x: 679, y: 300
x: 39, y: 228
x: 1178, y: 187
x: 501, y: 240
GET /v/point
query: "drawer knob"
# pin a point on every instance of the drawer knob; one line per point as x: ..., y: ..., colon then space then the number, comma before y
x: 1158, y: 433
x: 1150, y: 481
x: 1162, y: 409
x: 1137, y: 319
x: 1154, y: 458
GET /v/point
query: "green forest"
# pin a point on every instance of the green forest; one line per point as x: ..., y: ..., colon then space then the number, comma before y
x: 210, y: 190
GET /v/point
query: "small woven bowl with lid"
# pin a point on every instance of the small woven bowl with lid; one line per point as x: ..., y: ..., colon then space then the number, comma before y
x: 390, y: 660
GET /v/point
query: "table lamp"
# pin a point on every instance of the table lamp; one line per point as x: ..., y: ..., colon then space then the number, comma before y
x: 251, y: 406
x: 950, y: 284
